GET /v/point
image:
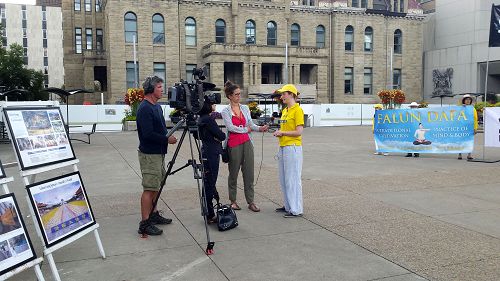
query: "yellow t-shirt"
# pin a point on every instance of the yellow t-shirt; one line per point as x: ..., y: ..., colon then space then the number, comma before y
x: 290, y: 119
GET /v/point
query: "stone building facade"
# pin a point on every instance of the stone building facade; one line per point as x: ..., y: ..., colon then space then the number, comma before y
x: 245, y: 41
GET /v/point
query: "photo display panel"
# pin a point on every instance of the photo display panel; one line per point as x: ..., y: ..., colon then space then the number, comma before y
x: 38, y: 135
x: 15, y: 245
x: 61, y: 207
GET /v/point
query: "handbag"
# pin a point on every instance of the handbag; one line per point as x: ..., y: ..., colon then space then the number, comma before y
x: 226, y: 217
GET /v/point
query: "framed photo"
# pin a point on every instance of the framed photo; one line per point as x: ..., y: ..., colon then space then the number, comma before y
x: 15, y: 244
x: 38, y: 135
x: 61, y: 207
x: 2, y: 171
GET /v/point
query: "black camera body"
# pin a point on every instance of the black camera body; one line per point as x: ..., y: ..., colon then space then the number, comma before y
x: 189, y: 97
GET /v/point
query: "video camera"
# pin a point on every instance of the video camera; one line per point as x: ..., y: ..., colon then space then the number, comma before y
x: 188, y: 98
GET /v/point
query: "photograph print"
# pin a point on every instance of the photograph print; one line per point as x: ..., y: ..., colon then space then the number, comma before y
x: 40, y: 136
x: 2, y: 171
x: 61, y: 206
x: 15, y: 246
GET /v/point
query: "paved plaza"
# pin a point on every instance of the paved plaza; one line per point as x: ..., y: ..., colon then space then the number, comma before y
x: 366, y: 217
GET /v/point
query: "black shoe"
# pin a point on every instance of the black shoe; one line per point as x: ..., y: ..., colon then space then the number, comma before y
x: 290, y: 215
x: 282, y: 209
x: 156, y: 218
x: 147, y: 228
x: 408, y: 155
x: 416, y: 154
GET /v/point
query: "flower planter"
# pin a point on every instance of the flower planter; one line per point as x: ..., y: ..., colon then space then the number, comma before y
x: 129, y: 126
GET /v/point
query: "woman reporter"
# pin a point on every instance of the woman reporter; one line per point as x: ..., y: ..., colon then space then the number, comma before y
x: 290, y: 152
x: 211, y: 137
x: 239, y: 125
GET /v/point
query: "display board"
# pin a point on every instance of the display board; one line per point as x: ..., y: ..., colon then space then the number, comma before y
x: 15, y: 245
x: 2, y: 171
x: 39, y: 136
x: 61, y: 207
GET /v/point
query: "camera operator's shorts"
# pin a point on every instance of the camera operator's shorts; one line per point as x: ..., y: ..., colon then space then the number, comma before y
x: 152, y: 170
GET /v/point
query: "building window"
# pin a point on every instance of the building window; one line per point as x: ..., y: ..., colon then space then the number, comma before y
x: 272, y: 35
x: 190, y: 32
x: 77, y: 5
x: 99, y: 43
x: 98, y: 5
x: 295, y: 35
x: 401, y: 6
x: 189, y: 72
x: 398, y: 42
x: 320, y: 36
x: 349, y: 38
x: 44, y: 33
x: 132, y: 75
x: 158, y: 29
x: 130, y: 27
x: 364, y: 3
x: 395, y: 6
x: 220, y: 31
x: 88, y: 5
x: 368, y: 78
x: 88, y: 38
x: 159, y: 70
x: 44, y: 15
x: 3, y: 22
x: 308, y: 2
x: 78, y: 40
x: 45, y: 61
x: 396, y: 79
x: 368, y: 39
x: 355, y: 3
x: 250, y: 32
x: 348, y: 81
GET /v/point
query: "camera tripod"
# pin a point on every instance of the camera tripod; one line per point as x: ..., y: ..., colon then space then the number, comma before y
x: 190, y: 127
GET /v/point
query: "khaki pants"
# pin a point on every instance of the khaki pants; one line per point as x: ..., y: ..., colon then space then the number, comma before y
x: 241, y: 156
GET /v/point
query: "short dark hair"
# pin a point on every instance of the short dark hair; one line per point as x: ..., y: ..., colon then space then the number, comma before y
x: 150, y: 84
x: 205, y: 109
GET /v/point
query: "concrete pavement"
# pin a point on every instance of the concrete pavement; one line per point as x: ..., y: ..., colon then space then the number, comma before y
x: 366, y: 217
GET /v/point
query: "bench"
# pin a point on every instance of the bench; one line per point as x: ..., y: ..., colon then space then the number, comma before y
x: 88, y: 134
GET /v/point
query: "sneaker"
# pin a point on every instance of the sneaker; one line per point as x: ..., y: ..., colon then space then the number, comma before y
x: 290, y: 215
x: 147, y: 228
x: 282, y: 209
x: 156, y: 218
x: 408, y: 155
x: 385, y: 153
x: 416, y: 154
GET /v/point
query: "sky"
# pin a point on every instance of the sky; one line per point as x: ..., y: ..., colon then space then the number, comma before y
x: 32, y: 2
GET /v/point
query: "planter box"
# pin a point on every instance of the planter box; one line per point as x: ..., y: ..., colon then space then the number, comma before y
x: 129, y: 126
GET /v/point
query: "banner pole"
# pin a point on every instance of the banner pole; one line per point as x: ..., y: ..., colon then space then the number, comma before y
x: 484, y: 100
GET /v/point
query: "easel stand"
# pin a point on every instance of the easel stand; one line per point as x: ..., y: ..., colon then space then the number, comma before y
x: 29, y: 178
x: 34, y: 263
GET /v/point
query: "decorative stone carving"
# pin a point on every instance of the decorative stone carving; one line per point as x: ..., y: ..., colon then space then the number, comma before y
x: 442, y: 82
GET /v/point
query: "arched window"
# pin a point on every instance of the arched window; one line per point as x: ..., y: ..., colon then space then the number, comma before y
x: 272, y: 35
x: 190, y: 32
x: 295, y: 35
x: 220, y: 31
x: 398, y: 41
x: 349, y: 38
x: 250, y: 32
x: 368, y: 39
x: 320, y: 36
x: 158, y: 29
x: 130, y: 27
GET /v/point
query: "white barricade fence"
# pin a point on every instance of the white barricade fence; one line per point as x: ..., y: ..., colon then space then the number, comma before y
x: 492, y: 127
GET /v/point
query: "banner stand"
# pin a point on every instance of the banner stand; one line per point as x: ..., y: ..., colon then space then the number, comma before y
x: 29, y: 178
x: 34, y: 263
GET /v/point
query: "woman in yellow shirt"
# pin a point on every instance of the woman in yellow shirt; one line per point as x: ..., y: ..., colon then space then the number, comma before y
x: 467, y: 100
x: 290, y: 152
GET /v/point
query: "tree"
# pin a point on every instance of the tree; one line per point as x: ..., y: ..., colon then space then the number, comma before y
x: 14, y: 75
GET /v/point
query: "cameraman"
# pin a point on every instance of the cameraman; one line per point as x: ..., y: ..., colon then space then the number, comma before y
x: 153, y: 143
x: 211, y: 137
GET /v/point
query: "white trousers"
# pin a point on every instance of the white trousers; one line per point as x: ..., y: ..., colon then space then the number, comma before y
x: 290, y: 172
